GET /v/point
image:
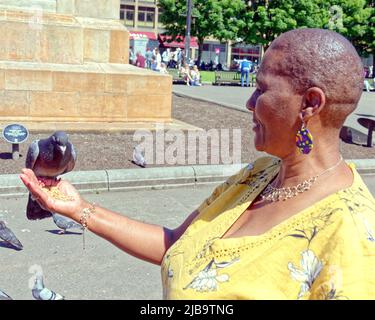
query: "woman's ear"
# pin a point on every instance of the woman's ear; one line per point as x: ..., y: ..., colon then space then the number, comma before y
x: 313, y: 102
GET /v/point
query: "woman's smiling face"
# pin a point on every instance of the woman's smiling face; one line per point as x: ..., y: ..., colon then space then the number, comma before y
x: 276, y: 108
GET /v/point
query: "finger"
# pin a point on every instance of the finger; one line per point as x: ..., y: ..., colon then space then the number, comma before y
x: 30, y: 173
x: 34, y: 188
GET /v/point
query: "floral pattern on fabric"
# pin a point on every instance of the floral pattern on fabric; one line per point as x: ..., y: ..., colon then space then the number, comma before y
x: 309, y: 271
x: 329, y: 292
x: 208, y: 279
x: 369, y: 231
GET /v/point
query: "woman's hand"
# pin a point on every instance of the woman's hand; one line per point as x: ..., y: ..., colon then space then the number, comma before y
x: 70, y: 208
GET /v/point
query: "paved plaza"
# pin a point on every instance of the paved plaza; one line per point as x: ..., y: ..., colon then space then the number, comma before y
x: 101, y: 271
x: 235, y: 97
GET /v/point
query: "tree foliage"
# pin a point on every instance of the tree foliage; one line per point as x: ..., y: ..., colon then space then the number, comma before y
x: 261, y: 21
x: 211, y: 18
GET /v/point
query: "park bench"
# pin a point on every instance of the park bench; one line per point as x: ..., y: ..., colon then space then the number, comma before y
x: 231, y: 77
x: 370, y: 125
x: 175, y: 73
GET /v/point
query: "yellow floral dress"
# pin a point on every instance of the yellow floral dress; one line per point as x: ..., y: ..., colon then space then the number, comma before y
x: 326, y: 251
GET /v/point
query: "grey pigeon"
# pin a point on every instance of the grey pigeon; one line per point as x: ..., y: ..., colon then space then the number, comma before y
x: 49, y: 158
x: 138, y: 158
x: 65, y: 223
x: 4, y: 296
x: 40, y: 292
x: 8, y: 236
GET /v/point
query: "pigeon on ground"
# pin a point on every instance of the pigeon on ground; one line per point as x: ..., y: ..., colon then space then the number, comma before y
x: 65, y: 223
x: 138, y: 158
x: 4, y: 296
x: 49, y: 158
x: 8, y: 236
x: 40, y: 292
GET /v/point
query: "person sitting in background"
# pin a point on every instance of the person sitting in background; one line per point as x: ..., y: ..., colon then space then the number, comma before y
x: 185, y: 73
x: 154, y: 65
x: 195, y: 76
x: 140, y: 61
x: 163, y: 68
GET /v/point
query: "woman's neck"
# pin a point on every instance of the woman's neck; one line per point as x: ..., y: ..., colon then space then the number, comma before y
x: 297, y: 168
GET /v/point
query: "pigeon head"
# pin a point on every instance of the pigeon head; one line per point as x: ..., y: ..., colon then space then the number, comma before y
x: 38, y: 282
x: 60, y: 140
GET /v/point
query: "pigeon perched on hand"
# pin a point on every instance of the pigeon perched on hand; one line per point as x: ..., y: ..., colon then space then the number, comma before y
x: 4, y: 296
x: 48, y: 158
x: 138, y: 158
x: 65, y: 223
x: 8, y: 236
x: 40, y: 292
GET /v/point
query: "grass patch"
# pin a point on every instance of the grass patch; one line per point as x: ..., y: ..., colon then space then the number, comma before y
x: 207, y: 76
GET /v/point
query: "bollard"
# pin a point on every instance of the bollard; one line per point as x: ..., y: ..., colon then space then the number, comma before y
x: 15, y: 134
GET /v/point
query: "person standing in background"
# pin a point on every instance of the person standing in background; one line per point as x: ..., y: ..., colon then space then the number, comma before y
x: 148, y: 57
x: 166, y: 56
x: 245, y: 70
x: 157, y: 57
x: 131, y: 56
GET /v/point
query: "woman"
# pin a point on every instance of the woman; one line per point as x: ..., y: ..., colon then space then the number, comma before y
x: 185, y: 72
x: 195, y: 76
x: 298, y: 224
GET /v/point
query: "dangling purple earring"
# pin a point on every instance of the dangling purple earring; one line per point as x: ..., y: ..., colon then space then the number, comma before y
x: 304, y: 140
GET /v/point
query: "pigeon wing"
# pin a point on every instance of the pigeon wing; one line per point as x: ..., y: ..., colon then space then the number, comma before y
x: 7, y: 235
x: 4, y: 296
x: 47, y: 294
x: 35, y: 212
x: 32, y: 154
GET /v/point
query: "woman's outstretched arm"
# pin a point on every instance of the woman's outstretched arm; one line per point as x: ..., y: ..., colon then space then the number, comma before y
x: 145, y: 241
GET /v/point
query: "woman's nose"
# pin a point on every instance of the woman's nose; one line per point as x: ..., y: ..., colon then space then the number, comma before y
x: 250, y: 104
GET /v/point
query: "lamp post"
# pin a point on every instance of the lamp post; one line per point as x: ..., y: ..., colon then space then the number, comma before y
x: 188, y: 28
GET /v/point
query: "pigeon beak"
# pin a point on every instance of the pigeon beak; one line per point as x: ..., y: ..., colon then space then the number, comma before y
x: 62, y: 148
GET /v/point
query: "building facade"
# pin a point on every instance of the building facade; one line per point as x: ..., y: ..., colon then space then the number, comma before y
x: 142, y: 18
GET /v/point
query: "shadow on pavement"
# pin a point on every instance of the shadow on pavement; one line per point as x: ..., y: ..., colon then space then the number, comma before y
x: 7, y: 245
x: 365, y: 115
x: 66, y: 232
x: 6, y: 155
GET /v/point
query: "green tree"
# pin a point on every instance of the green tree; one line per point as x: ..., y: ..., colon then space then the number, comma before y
x: 211, y: 18
x: 266, y: 19
x: 355, y: 19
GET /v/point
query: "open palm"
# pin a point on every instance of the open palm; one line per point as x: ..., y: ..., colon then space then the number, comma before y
x: 68, y: 208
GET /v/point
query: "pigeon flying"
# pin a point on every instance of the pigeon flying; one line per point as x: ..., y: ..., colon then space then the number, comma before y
x: 48, y: 158
x: 40, y: 292
x: 65, y: 223
x: 138, y: 158
x: 8, y: 236
x: 4, y: 296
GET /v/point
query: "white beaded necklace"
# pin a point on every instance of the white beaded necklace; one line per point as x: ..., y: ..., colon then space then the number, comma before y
x: 276, y: 194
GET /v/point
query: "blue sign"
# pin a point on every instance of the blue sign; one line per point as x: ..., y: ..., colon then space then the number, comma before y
x: 15, y: 133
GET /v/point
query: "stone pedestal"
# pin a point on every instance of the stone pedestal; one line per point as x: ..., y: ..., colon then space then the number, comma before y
x: 65, y: 61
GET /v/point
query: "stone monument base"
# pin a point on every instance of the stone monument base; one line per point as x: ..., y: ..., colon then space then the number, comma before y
x: 108, y: 127
x: 92, y: 92
x: 64, y: 64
